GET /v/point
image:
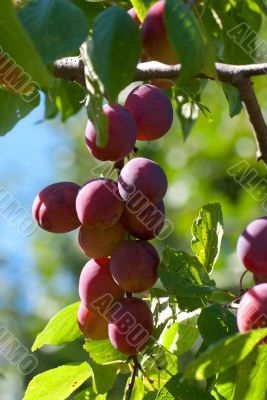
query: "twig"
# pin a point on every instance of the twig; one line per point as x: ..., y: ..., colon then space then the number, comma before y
x: 241, y: 290
x: 139, y: 366
x: 130, y: 387
x: 253, y: 110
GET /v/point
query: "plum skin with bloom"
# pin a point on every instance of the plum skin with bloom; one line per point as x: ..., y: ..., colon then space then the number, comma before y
x: 252, y: 246
x: 130, y: 325
x: 252, y: 311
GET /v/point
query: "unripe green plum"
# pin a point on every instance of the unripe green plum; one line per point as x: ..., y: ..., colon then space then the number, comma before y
x: 121, y: 134
x: 134, y: 265
x: 98, y: 204
x: 144, y: 222
x: 145, y: 177
x: 96, y: 282
x: 152, y: 111
x: 130, y: 325
x: 54, y: 207
x: 92, y: 325
x: 100, y: 244
x: 156, y: 42
x: 252, y: 246
x: 252, y: 311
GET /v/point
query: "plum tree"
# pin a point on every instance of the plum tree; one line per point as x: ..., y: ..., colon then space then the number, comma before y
x: 152, y: 111
x: 144, y: 222
x: 155, y: 37
x: 92, y: 325
x: 54, y: 207
x: 121, y: 134
x: 252, y: 246
x: 96, y: 282
x: 100, y: 244
x: 130, y: 325
x: 134, y: 16
x: 98, y: 204
x: 134, y: 265
x: 145, y: 177
x: 252, y: 311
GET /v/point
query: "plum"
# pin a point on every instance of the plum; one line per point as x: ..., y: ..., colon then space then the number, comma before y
x: 144, y: 222
x: 252, y: 311
x: 121, y: 134
x: 143, y: 176
x: 134, y: 265
x: 100, y: 244
x: 96, y: 282
x: 98, y: 204
x: 152, y: 111
x: 54, y: 207
x: 130, y: 325
x: 252, y: 246
x: 92, y: 325
x: 156, y: 42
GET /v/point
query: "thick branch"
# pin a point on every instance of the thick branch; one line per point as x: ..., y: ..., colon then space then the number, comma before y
x: 72, y: 69
x: 251, y: 105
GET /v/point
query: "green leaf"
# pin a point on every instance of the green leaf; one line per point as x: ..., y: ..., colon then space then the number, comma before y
x: 225, y: 385
x: 16, y: 44
x: 94, y: 103
x: 89, y: 394
x: 207, y: 231
x: 102, y: 351
x: 57, y: 27
x: 113, y: 35
x: 65, y: 97
x: 188, y: 39
x: 183, y: 276
x: 108, y: 372
x: 216, y: 322
x: 13, y: 108
x: 58, y: 383
x: 63, y: 328
x: 138, y: 389
x: 141, y: 7
x: 262, y: 5
x: 233, y: 98
x: 250, y: 380
x: 223, y: 355
x: 181, y: 335
x: 177, y: 389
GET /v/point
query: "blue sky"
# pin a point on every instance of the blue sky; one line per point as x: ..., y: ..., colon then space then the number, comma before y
x: 26, y: 166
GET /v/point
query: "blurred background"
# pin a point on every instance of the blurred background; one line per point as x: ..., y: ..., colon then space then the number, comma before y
x: 39, y: 272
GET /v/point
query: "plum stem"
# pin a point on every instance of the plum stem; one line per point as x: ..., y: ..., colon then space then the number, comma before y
x: 130, y: 386
x: 241, y: 290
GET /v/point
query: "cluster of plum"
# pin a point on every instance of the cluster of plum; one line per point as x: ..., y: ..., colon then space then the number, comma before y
x: 116, y: 220
x: 252, y: 250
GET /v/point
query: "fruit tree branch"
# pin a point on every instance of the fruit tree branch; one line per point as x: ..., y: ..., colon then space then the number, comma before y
x: 251, y: 105
x: 72, y: 69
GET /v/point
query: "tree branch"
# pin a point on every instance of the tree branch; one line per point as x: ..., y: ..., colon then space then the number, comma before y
x: 253, y: 110
x: 72, y: 68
